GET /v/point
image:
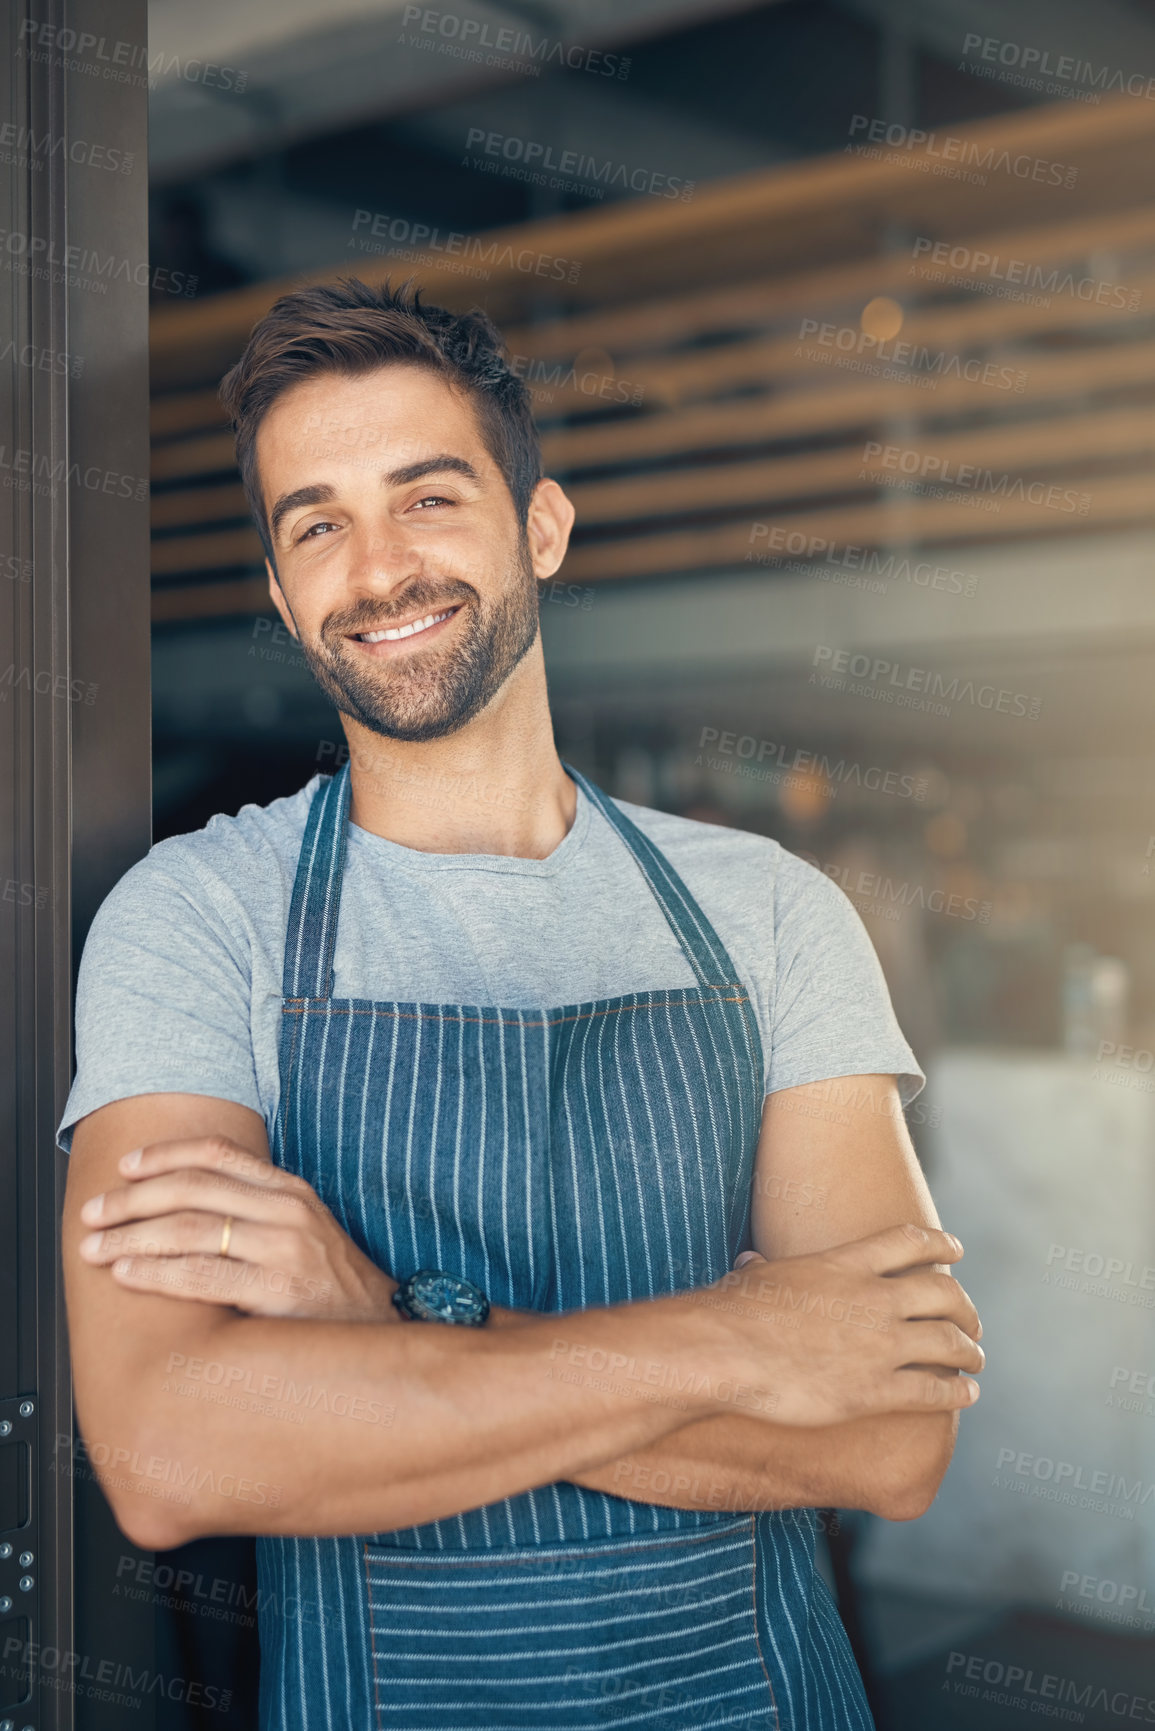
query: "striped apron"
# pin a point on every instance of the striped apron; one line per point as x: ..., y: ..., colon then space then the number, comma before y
x: 559, y: 1158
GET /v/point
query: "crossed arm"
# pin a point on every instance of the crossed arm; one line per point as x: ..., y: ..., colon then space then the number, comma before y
x: 328, y: 1414
x: 834, y: 1163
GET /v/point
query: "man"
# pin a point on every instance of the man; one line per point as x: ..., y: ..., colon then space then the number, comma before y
x: 528, y: 1060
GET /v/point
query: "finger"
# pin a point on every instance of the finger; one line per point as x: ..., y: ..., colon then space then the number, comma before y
x: 929, y: 1293
x: 167, y: 1235
x: 745, y: 1256
x: 200, y: 1188
x: 205, y: 1279
x: 212, y: 1153
x: 920, y: 1388
x: 189, y: 1233
x: 900, y: 1247
x: 938, y: 1343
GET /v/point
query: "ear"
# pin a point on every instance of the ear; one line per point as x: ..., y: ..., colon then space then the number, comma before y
x: 277, y: 595
x: 550, y: 520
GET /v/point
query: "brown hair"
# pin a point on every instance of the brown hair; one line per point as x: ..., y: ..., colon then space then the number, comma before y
x: 350, y: 327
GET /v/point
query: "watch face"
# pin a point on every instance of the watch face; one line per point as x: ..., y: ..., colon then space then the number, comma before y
x: 444, y: 1298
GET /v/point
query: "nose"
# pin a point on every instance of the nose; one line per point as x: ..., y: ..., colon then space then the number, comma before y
x: 383, y: 560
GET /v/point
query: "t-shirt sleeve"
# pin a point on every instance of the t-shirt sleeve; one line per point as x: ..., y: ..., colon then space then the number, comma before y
x: 832, y: 1014
x: 163, y: 999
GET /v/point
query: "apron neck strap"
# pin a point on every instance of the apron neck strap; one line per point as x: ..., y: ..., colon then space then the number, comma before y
x: 701, y: 945
x: 312, y: 930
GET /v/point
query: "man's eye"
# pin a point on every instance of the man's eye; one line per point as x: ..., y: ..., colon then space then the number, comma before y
x: 431, y: 499
x: 312, y: 529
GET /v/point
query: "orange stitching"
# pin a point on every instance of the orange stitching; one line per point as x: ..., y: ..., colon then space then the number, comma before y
x: 301, y: 1006
x: 754, y: 1608
x: 492, y: 1559
x: 289, y: 1078
x: 372, y: 1643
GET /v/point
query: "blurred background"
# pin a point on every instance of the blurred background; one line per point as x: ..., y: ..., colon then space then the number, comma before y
x: 840, y: 324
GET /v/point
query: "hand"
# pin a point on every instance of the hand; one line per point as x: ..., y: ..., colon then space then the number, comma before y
x: 864, y: 1328
x: 287, y: 1256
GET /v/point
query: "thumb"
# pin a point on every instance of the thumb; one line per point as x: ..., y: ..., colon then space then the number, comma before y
x: 747, y: 1256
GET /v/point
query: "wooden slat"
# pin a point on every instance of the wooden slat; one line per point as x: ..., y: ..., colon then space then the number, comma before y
x: 624, y: 331
x: 1117, y: 502
x: 211, y: 600
x: 797, y: 217
x: 185, y: 412
x: 1024, y: 447
x: 776, y: 212
x: 658, y: 323
x: 206, y: 552
x: 959, y: 328
x: 799, y: 416
x: 805, y: 414
x: 193, y: 506
x: 207, y: 454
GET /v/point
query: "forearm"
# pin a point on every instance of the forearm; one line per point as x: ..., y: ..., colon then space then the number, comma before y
x: 891, y: 1465
x: 360, y: 1427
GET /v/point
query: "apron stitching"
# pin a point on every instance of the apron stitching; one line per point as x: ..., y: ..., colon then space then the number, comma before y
x: 754, y: 1608
x: 372, y: 1643
x: 303, y: 1006
x: 754, y: 1049
x: 494, y: 1558
x: 283, y: 1105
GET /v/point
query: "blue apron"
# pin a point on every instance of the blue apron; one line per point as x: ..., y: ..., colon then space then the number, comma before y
x: 559, y: 1158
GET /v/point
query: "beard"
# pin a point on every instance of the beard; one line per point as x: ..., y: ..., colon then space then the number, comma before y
x: 430, y: 693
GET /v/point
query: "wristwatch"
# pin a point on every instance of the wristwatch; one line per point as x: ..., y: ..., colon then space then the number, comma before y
x: 431, y: 1295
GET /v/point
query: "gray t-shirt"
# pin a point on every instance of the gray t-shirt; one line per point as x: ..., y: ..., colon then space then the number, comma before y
x: 180, y: 982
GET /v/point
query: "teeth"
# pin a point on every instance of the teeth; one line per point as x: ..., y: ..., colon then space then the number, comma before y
x: 399, y: 631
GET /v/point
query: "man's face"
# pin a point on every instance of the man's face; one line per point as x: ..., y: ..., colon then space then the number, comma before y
x: 401, y: 561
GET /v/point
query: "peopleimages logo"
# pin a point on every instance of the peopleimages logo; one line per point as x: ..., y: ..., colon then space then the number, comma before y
x: 36, y: 256
x: 21, y: 145
x: 987, y: 488
x: 490, y: 253
x: 802, y: 551
x: 466, y: 38
x: 1091, y: 1482
x: 27, y: 471
x: 121, y: 62
x: 105, y: 1679
x: 862, y: 352
x: 887, y: 897
x: 1039, y: 69
x: 968, y: 261
x: 1012, y: 1685
x: 42, y: 360
x: 545, y: 380
x: 937, y: 152
x: 893, y: 683
x: 528, y: 158
x: 764, y: 759
x: 1109, y: 1601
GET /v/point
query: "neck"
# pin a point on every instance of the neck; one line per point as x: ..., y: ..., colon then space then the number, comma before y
x: 496, y: 786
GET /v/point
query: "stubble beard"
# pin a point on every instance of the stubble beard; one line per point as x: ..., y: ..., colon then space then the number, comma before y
x: 434, y: 692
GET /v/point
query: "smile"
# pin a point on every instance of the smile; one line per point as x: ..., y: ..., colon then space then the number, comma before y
x: 413, y: 629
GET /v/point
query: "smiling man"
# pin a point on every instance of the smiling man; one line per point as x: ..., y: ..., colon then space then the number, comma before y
x: 457, y: 1201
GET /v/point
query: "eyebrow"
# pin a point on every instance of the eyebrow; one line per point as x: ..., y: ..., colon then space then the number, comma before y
x: 321, y: 493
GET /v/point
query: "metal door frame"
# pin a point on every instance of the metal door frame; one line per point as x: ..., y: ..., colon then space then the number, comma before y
x: 74, y: 719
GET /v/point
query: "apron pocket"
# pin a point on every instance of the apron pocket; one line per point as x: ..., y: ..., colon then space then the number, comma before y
x: 650, y: 1633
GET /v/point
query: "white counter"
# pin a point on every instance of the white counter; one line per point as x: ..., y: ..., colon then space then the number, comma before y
x: 1044, y: 1166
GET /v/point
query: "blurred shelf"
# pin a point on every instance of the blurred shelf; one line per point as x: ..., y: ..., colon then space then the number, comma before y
x: 1025, y: 372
